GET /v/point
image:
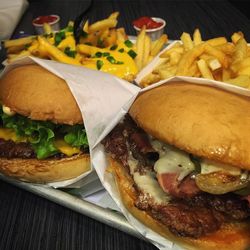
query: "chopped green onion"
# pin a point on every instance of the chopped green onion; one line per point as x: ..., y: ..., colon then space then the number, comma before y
x: 98, y: 54
x: 119, y: 62
x: 128, y: 43
x: 132, y: 53
x: 121, y: 50
x: 104, y: 54
x: 111, y: 59
x: 99, y: 64
x: 69, y: 52
x: 59, y: 36
x: 113, y: 47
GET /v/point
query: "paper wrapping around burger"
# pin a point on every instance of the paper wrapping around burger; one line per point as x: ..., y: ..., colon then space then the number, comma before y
x: 100, y: 161
x: 101, y: 98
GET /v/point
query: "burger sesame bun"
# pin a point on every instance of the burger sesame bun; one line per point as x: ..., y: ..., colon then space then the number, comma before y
x: 44, y: 171
x: 35, y: 92
x: 202, y: 120
x: 229, y: 236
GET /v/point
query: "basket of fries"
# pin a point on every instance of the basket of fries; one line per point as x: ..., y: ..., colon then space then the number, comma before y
x: 102, y: 46
x: 215, y: 59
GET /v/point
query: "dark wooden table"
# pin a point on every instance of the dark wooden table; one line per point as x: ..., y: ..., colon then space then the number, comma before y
x: 31, y: 222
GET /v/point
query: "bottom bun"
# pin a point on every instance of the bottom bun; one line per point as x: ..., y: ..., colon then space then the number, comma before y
x: 44, y: 171
x: 230, y: 236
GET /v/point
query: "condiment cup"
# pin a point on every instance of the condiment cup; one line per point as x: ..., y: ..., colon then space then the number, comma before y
x: 40, y: 20
x: 156, y: 32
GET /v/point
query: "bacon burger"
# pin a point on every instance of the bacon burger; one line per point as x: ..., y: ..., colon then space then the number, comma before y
x: 181, y: 160
x: 42, y: 136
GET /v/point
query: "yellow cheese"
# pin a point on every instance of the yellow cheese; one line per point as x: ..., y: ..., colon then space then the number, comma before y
x: 61, y: 145
x: 128, y: 66
x: 65, y: 148
x: 9, y: 134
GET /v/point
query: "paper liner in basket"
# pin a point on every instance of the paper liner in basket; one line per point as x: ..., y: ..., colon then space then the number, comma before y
x: 100, y: 97
x: 100, y: 164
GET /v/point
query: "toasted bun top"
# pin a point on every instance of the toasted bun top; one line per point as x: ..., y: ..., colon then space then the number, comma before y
x: 202, y: 120
x: 35, y: 92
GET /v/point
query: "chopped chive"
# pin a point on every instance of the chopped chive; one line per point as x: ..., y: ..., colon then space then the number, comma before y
x: 132, y: 53
x: 113, y: 47
x: 59, y: 36
x: 121, y: 50
x: 104, y: 54
x: 98, y: 54
x: 99, y: 64
x: 128, y: 43
x: 111, y: 59
x: 119, y: 62
x: 70, y: 53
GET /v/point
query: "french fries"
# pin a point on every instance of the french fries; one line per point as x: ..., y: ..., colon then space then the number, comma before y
x: 146, y: 49
x: 215, y: 59
x: 101, y: 44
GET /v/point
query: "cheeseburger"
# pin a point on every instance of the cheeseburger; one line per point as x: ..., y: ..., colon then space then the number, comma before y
x: 181, y: 160
x: 42, y: 136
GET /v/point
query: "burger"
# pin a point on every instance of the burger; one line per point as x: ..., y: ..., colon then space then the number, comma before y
x: 181, y: 161
x: 42, y: 136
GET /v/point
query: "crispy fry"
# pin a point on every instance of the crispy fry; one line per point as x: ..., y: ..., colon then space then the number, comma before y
x: 240, y: 52
x: 14, y: 57
x: 217, y: 54
x: 217, y: 41
x: 214, y: 64
x: 47, y: 28
x: 18, y: 42
x: 103, y: 24
x: 205, y: 72
x: 167, y: 53
x: 114, y: 15
x: 121, y: 35
x: 146, y: 52
x: 244, y: 71
x: 111, y: 38
x: 197, y: 37
x: 237, y: 36
x: 227, y: 48
x: 158, y: 45
x: 55, y: 53
x: 242, y: 81
x: 187, y: 41
x: 188, y: 58
x: 140, y: 48
x: 149, y: 79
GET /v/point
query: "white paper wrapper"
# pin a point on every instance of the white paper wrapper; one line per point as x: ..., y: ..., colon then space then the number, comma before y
x: 100, y: 97
x: 100, y: 164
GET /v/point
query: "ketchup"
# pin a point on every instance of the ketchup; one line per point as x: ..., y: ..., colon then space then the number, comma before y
x: 148, y: 22
x: 45, y: 19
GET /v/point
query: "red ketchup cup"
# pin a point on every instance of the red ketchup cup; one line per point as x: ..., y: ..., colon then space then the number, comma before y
x: 52, y: 20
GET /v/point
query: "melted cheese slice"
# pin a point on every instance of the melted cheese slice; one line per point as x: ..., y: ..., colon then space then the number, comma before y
x: 147, y: 183
x: 9, y: 134
x: 61, y: 145
x: 173, y: 160
x: 65, y: 148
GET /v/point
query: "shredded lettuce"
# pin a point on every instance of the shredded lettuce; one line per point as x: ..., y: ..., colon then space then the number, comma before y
x: 42, y: 134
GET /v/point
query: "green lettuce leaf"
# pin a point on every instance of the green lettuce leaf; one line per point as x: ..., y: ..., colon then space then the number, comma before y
x: 42, y: 134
